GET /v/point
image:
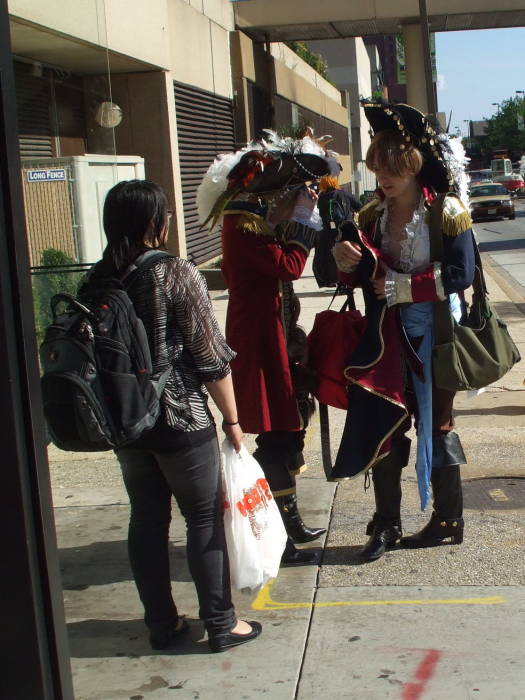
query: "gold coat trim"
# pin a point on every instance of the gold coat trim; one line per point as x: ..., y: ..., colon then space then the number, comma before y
x: 455, y: 219
x: 296, y: 472
x: 253, y: 223
x: 368, y: 213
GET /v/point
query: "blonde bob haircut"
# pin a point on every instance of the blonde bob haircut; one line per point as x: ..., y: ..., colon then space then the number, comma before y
x: 389, y: 152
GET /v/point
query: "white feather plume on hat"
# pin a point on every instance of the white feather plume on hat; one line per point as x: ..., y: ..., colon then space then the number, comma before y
x: 215, y: 181
x: 457, y: 162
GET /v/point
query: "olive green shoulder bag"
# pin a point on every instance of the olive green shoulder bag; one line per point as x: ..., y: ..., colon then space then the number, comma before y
x: 478, y: 351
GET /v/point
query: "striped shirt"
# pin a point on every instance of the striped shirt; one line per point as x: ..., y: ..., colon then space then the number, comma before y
x: 172, y: 299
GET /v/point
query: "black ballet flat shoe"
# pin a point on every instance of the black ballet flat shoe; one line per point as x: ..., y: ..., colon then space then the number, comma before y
x: 221, y: 642
x: 167, y: 639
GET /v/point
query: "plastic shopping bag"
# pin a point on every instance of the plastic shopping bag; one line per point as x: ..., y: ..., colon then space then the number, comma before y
x: 255, y: 534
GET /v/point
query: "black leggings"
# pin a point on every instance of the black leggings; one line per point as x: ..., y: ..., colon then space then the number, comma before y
x: 192, y: 475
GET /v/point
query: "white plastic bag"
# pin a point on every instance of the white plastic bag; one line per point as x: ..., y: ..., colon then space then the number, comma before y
x: 255, y: 534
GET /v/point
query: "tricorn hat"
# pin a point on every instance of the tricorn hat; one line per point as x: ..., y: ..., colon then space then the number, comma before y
x: 280, y: 170
x: 262, y: 168
x: 444, y: 158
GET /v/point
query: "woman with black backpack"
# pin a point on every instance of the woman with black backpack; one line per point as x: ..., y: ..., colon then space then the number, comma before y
x: 179, y: 456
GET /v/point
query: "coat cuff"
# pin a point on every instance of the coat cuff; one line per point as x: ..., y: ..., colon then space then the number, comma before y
x: 423, y: 286
x: 398, y: 289
x: 428, y: 285
x: 300, y: 235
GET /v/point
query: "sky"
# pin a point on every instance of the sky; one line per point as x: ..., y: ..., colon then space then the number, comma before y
x: 477, y: 68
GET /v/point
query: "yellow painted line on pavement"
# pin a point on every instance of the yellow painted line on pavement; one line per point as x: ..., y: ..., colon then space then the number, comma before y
x: 264, y: 601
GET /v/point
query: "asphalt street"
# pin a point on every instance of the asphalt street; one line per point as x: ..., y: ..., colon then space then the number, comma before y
x: 504, y: 242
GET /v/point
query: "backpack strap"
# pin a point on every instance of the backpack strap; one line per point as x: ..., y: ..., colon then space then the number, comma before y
x: 142, y: 263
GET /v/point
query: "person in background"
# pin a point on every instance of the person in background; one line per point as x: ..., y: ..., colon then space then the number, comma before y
x: 335, y: 206
x: 390, y: 373
x: 270, y: 223
x: 179, y: 456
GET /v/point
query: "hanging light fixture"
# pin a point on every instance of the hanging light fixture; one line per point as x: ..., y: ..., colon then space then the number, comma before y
x: 108, y: 115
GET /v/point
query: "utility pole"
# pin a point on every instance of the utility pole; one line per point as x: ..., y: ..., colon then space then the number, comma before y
x: 431, y: 96
x: 521, y: 117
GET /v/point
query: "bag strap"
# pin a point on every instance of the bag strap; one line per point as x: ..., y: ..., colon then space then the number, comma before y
x: 336, y: 202
x: 349, y: 304
x: 443, y: 319
x: 71, y: 302
x: 142, y: 263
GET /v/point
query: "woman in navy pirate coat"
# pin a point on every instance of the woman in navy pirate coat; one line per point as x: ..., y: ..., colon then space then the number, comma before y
x: 390, y: 373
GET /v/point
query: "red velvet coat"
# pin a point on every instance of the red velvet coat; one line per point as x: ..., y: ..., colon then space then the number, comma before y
x: 255, y: 266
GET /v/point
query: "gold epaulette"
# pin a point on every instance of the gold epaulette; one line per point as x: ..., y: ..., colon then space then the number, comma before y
x: 253, y: 223
x: 368, y: 214
x: 456, y: 218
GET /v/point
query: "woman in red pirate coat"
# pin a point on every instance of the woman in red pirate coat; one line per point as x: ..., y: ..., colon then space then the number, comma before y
x: 270, y: 222
x: 390, y: 372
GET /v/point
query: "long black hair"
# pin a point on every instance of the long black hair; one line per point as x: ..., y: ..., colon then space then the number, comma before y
x: 135, y: 219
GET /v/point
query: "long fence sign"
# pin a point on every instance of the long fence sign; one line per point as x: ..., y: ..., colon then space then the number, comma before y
x: 45, y: 175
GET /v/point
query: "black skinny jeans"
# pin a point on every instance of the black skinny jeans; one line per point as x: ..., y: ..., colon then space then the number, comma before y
x: 192, y: 475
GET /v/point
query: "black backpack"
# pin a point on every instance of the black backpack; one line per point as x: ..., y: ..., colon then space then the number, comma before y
x: 97, y: 388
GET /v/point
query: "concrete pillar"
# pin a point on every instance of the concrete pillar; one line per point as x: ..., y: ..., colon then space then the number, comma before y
x: 149, y: 129
x: 415, y: 67
x: 242, y: 65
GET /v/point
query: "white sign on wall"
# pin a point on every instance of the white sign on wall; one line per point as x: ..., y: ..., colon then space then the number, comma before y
x: 46, y: 175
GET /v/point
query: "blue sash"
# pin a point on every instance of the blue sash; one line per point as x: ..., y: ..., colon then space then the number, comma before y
x: 418, y: 322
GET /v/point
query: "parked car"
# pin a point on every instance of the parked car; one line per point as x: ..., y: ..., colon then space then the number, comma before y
x: 476, y: 176
x: 491, y: 200
x: 513, y: 183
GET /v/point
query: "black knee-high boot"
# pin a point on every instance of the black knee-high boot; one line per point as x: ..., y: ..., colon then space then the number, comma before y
x: 385, y: 527
x: 447, y: 519
x: 401, y: 447
x: 293, y: 522
x: 276, y: 452
x: 281, y: 481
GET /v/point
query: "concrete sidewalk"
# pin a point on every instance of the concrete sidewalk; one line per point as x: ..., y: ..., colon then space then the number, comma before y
x: 444, y: 623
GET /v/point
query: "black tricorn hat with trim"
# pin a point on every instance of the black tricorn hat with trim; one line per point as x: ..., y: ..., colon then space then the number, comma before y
x: 416, y: 130
x: 263, y: 168
x: 281, y: 170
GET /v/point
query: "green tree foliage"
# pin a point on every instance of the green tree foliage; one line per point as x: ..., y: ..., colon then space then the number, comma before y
x: 294, y: 131
x: 57, y: 278
x: 313, y: 59
x: 503, y: 129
